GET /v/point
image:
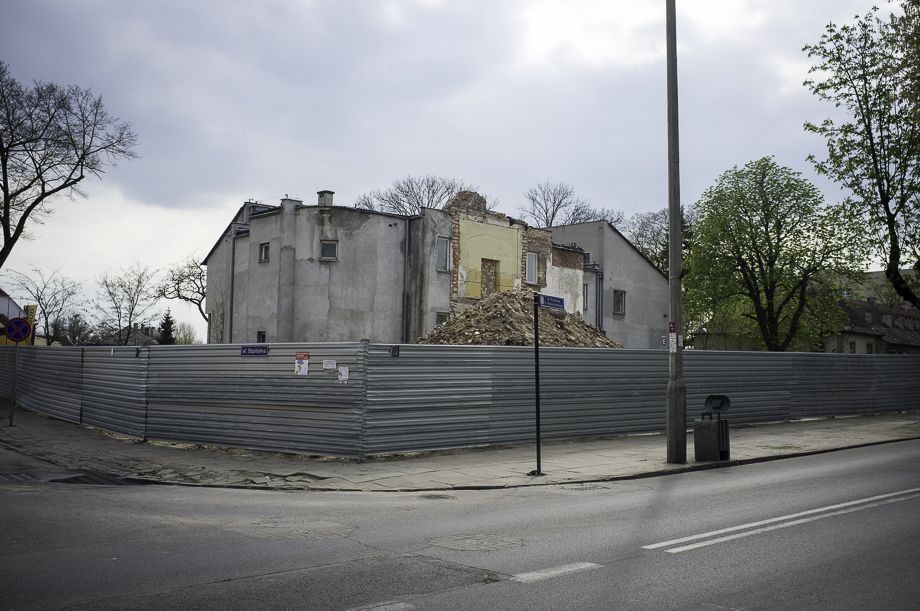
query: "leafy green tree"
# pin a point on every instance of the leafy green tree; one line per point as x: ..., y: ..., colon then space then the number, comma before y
x: 768, y: 257
x: 869, y: 69
x: 167, y: 330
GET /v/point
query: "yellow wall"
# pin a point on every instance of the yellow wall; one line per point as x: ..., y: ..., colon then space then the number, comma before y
x: 486, y: 241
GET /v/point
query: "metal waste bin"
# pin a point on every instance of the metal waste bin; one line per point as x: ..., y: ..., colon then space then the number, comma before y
x: 710, y: 434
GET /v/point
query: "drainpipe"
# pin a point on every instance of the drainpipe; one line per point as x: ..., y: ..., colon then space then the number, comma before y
x: 232, y: 278
x: 599, y: 300
x: 405, y: 308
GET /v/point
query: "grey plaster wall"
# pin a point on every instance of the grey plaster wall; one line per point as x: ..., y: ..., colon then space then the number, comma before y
x: 624, y: 269
x: 429, y: 287
x: 296, y: 295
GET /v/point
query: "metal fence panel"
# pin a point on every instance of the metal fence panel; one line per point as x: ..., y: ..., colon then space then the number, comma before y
x: 6, y: 370
x: 432, y: 397
x: 428, y: 397
x: 115, y: 388
x: 849, y: 384
x: 760, y: 385
x: 49, y: 380
x: 210, y: 393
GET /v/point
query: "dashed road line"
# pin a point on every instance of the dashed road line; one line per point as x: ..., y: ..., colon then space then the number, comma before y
x: 555, y: 571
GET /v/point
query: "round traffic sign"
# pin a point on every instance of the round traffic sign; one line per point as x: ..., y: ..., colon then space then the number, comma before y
x: 18, y: 329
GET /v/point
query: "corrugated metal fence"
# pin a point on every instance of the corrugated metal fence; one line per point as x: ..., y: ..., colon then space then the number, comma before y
x: 360, y: 399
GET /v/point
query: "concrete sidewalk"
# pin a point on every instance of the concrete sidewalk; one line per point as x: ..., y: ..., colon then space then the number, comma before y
x: 81, y: 448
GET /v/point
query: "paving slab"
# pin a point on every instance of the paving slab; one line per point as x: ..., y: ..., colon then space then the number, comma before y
x: 75, y: 447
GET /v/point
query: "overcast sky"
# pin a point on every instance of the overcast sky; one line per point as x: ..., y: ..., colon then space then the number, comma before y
x: 257, y: 99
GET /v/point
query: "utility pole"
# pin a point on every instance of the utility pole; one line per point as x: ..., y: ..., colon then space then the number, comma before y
x: 677, y: 389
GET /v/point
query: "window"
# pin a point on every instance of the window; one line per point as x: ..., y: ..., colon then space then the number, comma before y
x: 530, y: 271
x: 584, y: 297
x: 870, y: 348
x: 443, y: 254
x: 263, y: 252
x: 329, y: 249
x: 441, y: 318
x: 260, y: 337
x: 619, y: 302
x: 852, y: 347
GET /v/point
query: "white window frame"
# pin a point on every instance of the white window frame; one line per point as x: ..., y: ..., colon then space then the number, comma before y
x: 446, y: 267
x: 532, y: 268
x: 264, y: 251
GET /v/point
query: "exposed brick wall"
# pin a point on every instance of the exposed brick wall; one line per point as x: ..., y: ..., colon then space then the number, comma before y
x: 570, y: 259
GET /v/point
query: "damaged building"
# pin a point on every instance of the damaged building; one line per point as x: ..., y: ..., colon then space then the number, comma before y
x: 327, y: 273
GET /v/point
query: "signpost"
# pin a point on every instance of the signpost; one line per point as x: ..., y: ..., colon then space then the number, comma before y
x: 17, y: 330
x: 556, y: 303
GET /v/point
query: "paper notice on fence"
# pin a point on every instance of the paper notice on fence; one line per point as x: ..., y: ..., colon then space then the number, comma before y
x: 328, y: 364
x: 343, y: 375
x: 302, y: 363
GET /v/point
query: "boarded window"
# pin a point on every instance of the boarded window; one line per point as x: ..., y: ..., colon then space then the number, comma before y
x: 489, y: 277
x: 619, y: 302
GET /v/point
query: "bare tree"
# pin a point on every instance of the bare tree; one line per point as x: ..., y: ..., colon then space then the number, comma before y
x: 187, y: 282
x: 52, y: 293
x: 51, y: 138
x: 410, y: 194
x: 185, y: 334
x: 550, y: 204
x: 649, y: 233
x: 125, y: 300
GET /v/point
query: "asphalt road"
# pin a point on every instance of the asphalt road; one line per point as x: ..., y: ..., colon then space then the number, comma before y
x: 837, y: 530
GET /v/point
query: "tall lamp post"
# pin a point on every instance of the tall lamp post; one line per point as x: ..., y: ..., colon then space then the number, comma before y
x: 677, y: 389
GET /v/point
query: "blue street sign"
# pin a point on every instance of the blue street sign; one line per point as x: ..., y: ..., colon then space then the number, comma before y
x: 18, y: 330
x: 253, y: 350
x: 548, y: 301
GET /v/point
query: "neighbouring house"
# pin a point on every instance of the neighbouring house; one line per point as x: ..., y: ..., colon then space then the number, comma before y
x: 322, y: 272
x: 626, y: 296
x: 876, y: 328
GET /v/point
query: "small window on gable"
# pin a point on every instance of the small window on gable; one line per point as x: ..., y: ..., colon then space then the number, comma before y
x: 619, y: 302
x: 443, y: 254
x: 329, y: 249
x: 263, y: 252
x: 530, y: 271
x: 260, y: 337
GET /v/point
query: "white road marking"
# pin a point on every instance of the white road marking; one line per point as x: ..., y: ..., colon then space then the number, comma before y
x: 675, y: 550
x: 791, y: 516
x: 385, y: 606
x: 556, y: 571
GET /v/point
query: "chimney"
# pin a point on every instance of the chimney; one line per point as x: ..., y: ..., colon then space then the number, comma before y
x: 325, y: 197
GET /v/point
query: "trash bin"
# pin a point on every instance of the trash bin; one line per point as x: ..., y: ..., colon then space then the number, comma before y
x: 710, y: 434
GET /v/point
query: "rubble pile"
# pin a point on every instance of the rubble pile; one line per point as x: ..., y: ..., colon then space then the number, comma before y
x: 506, y: 319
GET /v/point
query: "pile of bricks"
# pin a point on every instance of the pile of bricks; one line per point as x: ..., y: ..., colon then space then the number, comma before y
x: 506, y: 319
